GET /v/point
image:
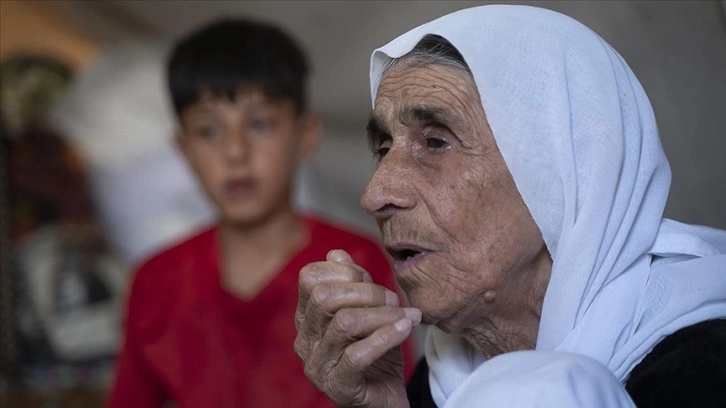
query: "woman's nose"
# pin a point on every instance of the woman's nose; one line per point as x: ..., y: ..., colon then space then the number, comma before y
x: 391, y: 187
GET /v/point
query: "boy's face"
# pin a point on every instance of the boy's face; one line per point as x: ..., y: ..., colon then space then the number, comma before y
x: 245, y: 152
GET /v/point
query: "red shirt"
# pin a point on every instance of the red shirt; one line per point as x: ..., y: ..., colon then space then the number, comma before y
x: 189, y: 341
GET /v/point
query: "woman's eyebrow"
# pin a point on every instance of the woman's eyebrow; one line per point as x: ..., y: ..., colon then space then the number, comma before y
x: 433, y: 115
x: 376, y: 130
x: 415, y: 115
x: 436, y: 116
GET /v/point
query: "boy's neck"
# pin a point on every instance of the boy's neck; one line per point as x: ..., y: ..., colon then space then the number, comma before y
x: 250, y: 256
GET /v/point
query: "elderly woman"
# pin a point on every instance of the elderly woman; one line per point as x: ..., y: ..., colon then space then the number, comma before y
x: 520, y: 189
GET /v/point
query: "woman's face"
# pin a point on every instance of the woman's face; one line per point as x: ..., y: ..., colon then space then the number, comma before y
x: 447, y: 206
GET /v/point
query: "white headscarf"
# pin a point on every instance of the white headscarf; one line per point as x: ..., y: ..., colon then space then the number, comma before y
x: 579, y: 136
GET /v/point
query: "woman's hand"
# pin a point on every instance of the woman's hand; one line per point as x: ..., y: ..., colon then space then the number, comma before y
x: 349, y: 332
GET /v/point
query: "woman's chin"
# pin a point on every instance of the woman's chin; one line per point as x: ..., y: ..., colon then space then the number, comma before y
x: 432, y: 313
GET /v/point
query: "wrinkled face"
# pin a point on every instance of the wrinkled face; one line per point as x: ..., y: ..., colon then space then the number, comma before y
x: 447, y: 206
x: 244, y: 152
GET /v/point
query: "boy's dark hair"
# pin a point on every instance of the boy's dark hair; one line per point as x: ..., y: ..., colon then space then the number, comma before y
x: 237, y: 53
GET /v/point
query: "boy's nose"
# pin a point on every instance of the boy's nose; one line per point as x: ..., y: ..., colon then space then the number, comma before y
x: 237, y: 147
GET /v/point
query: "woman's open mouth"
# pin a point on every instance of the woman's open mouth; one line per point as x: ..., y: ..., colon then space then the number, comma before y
x: 405, y: 255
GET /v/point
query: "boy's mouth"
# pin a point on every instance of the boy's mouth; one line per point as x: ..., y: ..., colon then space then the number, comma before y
x: 240, y: 186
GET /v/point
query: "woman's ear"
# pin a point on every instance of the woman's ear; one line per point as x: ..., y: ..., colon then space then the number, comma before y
x: 311, y: 129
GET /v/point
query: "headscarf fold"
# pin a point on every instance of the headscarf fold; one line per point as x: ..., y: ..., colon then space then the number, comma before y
x: 579, y: 136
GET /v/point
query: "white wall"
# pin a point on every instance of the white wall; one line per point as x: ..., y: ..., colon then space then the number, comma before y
x: 677, y: 49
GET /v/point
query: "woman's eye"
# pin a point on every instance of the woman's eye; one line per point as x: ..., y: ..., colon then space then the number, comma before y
x: 381, y: 151
x: 436, y: 143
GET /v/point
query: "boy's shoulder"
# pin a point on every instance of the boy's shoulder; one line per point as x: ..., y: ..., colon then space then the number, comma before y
x: 334, y: 232
x: 194, y: 249
x: 189, y: 246
x: 328, y: 235
x: 160, y: 283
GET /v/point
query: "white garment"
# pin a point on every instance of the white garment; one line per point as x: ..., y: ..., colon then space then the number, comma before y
x: 150, y: 203
x: 118, y: 108
x: 579, y: 137
x: 117, y: 112
x: 51, y: 275
x: 541, y: 379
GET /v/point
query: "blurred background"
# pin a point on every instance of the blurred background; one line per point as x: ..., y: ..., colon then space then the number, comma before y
x: 91, y: 183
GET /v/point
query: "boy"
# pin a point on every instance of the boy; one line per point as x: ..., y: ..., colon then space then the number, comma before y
x: 210, y: 321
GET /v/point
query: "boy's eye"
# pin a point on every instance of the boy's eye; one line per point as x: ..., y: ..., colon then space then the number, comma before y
x: 260, y: 125
x: 206, y: 132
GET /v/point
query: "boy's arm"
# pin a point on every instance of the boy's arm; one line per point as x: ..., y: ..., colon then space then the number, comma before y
x: 135, y: 384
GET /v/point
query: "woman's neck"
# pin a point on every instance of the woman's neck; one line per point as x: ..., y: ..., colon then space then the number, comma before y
x: 507, y: 320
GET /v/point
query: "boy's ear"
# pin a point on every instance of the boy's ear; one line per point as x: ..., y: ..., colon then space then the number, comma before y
x: 180, y: 143
x: 311, y: 128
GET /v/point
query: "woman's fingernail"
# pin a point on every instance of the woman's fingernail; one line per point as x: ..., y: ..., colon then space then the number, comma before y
x: 403, y: 325
x: 339, y: 255
x: 391, y: 299
x: 413, y: 314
